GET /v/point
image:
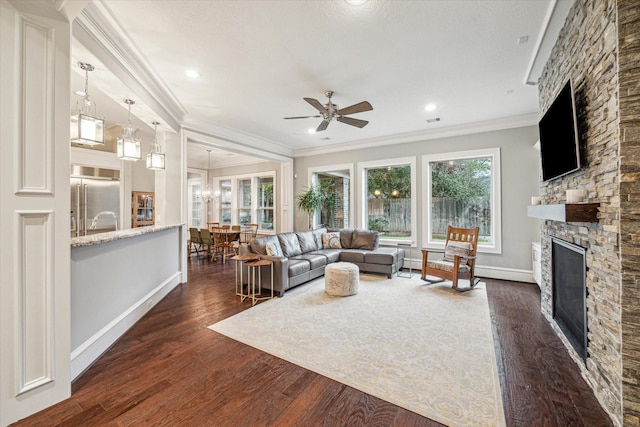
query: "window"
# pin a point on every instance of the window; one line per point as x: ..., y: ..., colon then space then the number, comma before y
x: 463, y: 191
x: 387, y: 198
x: 244, y: 201
x: 335, y: 183
x: 195, y: 206
x: 265, y: 203
x: 225, y: 202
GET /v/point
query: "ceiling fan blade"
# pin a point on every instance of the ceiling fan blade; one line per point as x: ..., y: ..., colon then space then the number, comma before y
x: 301, y: 117
x: 355, y: 108
x: 317, y: 105
x: 353, y: 122
x: 323, y: 126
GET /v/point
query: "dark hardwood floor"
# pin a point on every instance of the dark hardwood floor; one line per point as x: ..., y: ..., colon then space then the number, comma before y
x: 169, y: 369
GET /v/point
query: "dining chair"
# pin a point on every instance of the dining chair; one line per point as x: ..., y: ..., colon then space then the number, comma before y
x: 221, y: 244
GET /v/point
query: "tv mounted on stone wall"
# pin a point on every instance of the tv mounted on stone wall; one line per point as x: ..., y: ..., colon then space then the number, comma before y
x: 559, y: 141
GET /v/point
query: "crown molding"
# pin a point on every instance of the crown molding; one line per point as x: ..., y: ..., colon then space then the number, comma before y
x: 425, y: 135
x: 98, y: 30
x: 236, y: 140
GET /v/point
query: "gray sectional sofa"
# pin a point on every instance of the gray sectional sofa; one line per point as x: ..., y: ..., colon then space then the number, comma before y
x: 300, y: 256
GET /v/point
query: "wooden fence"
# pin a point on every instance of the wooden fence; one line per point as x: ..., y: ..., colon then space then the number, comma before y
x: 393, y: 216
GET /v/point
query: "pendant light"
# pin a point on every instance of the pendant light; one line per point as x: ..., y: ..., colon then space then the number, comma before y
x: 208, y: 195
x: 155, y: 157
x: 86, y: 128
x: 128, y: 144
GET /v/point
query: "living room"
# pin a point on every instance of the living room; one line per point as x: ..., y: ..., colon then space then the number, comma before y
x: 604, y: 80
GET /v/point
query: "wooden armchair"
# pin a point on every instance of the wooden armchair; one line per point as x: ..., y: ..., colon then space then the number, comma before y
x: 458, y: 261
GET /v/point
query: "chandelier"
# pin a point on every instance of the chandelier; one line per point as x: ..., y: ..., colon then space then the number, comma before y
x: 209, y: 195
x: 128, y: 147
x: 86, y: 128
x: 155, y: 157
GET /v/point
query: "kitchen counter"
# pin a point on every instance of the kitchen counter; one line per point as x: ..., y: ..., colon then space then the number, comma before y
x: 116, y: 277
x: 96, y: 239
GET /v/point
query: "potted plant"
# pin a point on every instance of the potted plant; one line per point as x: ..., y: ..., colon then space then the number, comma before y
x: 309, y: 202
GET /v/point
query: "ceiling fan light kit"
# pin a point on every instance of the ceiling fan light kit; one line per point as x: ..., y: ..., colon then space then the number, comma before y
x: 330, y: 111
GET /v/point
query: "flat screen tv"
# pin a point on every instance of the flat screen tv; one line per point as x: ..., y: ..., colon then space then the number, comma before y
x: 559, y: 142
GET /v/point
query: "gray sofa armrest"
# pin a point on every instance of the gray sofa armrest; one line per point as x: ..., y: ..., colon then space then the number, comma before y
x: 280, y: 274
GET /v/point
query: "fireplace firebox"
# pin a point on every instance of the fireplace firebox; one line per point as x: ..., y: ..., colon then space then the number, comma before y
x: 569, y: 271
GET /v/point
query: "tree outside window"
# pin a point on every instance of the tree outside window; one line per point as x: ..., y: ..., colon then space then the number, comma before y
x: 389, y: 201
x: 463, y: 190
x: 461, y: 196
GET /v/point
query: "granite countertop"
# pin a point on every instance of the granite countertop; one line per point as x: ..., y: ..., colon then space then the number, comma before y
x: 96, y: 239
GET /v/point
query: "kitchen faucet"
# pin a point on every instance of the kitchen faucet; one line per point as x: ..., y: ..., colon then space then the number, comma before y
x: 94, y: 223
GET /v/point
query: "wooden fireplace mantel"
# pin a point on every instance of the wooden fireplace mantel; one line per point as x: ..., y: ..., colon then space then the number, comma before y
x: 565, y: 212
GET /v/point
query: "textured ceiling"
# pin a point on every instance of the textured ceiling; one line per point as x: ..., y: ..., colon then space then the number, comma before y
x: 258, y: 59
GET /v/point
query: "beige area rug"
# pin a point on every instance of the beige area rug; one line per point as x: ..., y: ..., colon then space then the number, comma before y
x: 426, y: 348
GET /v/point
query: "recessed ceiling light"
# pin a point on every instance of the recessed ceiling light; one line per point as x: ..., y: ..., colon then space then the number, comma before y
x: 356, y: 2
x: 430, y: 107
x: 436, y: 119
x: 312, y: 130
x: 192, y: 74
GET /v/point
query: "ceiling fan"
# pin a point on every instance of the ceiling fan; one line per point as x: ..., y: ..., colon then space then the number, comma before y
x: 331, y: 111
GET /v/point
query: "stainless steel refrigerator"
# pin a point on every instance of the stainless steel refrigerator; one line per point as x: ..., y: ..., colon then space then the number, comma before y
x: 95, y: 200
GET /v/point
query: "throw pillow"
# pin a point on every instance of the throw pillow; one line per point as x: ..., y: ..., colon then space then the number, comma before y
x: 331, y: 240
x: 457, y: 248
x: 273, y: 249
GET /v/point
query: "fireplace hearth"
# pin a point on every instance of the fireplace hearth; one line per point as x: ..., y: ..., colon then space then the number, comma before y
x: 568, y: 270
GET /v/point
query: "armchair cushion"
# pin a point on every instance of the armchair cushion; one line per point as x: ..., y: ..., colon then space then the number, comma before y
x: 448, y: 266
x: 462, y: 249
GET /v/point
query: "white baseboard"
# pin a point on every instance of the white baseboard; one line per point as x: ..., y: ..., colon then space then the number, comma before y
x: 502, y: 273
x: 89, y: 351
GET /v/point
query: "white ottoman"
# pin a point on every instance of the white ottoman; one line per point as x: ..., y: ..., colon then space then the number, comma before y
x: 341, y: 279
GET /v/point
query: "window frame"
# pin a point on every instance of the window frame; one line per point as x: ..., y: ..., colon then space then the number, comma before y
x: 313, y: 180
x: 362, y: 195
x: 235, y: 208
x: 496, y: 199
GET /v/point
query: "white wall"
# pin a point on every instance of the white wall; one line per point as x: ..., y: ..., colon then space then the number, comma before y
x: 520, y: 172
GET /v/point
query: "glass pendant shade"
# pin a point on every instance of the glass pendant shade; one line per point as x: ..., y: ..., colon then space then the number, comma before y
x: 128, y: 145
x: 86, y: 127
x: 155, y: 157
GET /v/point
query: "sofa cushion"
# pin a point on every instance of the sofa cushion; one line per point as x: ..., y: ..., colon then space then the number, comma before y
x: 332, y: 255
x: 345, y: 236
x: 315, y: 261
x: 364, y: 239
x: 307, y: 241
x: 258, y: 244
x: 318, y: 236
x: 289, y: 244
x: 273, y: 249
x: 352, y: 255
x: 384, y: 256
x: 331, y: 240
x: 298, y: 266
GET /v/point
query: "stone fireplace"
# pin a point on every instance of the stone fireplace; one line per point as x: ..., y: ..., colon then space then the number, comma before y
x: 599, y: 49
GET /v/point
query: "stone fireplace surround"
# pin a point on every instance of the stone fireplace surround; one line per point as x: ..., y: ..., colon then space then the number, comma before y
x: 599, y: 49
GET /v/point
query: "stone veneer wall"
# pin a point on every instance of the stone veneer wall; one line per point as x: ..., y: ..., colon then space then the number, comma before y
x: 629, y: 81
x: 587, y: 52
